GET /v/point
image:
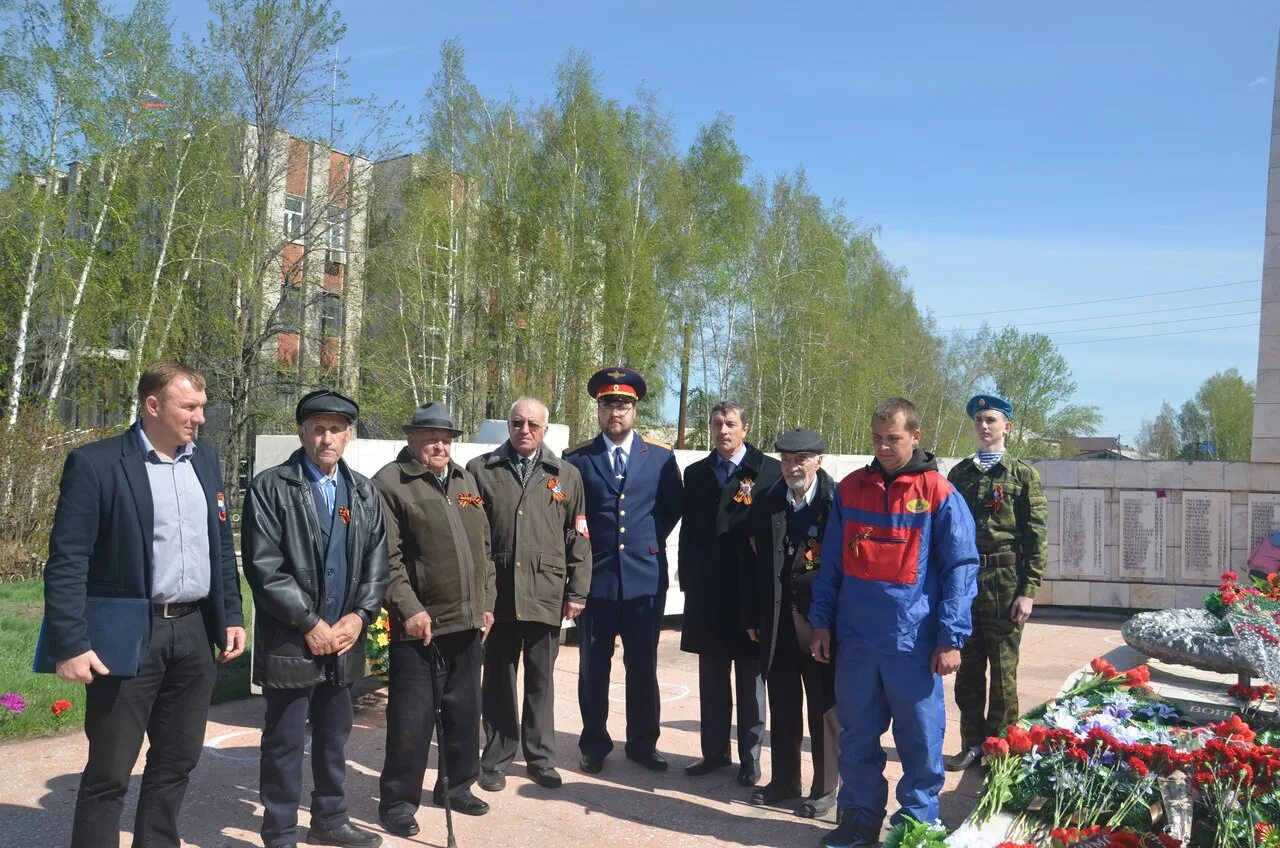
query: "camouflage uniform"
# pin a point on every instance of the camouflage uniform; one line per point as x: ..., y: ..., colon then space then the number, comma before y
x: 1010, y: 513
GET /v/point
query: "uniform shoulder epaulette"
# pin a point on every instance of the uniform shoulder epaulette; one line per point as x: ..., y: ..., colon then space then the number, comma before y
x: 578, y: 447
x: 657, y: 443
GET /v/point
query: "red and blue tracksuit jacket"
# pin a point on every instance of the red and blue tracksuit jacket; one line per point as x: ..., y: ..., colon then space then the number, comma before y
x: 899, y: 562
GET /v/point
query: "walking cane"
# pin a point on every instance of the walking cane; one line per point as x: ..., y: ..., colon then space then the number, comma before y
x: 438, y: 666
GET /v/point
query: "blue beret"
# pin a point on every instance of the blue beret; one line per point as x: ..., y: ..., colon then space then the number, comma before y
x: 978, y: 403
x: 325, y: 401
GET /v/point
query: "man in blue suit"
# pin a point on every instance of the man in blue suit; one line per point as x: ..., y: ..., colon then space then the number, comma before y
x: 634, y: 499
x: 142, y: 515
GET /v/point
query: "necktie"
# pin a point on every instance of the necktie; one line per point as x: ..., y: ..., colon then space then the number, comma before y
x: 619, y: 462
x: 726, y: 470
x: 525, y: 465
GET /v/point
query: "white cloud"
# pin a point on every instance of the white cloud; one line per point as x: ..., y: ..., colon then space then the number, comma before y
x: 1259, y: 81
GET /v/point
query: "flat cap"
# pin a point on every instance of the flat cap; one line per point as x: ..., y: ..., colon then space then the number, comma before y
x: 979, y: 403
x: 617, y: 381
x: 800, y: 440
x: 325, y: 402
x: 432, y: 414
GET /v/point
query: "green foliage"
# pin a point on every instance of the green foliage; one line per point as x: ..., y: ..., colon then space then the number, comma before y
x: 916, y: 834
x: 1215, y: 423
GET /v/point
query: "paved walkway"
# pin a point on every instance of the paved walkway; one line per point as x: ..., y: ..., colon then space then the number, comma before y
x: 623, y: 806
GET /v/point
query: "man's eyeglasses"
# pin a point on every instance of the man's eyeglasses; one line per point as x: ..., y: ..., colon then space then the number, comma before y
x: 520, y: 424
x: 617, y: 405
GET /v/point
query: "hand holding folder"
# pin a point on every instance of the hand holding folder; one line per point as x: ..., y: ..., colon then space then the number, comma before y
x: 117, y: 629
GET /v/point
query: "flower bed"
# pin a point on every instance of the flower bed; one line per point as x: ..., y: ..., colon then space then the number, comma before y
x: 1110, y: 763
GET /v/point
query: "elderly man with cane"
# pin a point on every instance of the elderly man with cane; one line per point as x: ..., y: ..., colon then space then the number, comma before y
x: 441, y: 597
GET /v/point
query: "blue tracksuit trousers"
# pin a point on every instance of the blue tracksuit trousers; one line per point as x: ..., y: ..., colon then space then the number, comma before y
x: 873, y: 690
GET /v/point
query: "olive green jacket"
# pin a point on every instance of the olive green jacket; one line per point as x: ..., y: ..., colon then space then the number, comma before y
x: 1010, y: 513
x: 437, y: 547
x: 541, y: 551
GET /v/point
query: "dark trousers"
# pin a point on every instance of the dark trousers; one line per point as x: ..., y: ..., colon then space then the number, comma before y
x: 284, y: 735
x: 987, y: 709
x: 169, y: 702
x: 794, y: 669
x: 505, y: 725
x: 411, y: 719
x: 715, y: 706
x: 638, y: 622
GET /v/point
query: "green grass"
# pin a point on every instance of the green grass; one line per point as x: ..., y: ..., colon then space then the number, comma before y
x: 21, y: 608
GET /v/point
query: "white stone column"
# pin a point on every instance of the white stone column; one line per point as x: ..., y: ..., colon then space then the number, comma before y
x: 1266, y: 408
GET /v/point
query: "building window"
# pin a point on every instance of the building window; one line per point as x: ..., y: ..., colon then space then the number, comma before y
x: 290, y: 317
x: 295, y: 209
x: 330, y: 316
x: 336, y: 237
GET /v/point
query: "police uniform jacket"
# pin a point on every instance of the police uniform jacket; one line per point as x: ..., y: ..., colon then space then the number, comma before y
x: 714, y: 555
x: 283, y: 562
x: 541, y: 554
x: 437, y: 547
x: 629, y: 520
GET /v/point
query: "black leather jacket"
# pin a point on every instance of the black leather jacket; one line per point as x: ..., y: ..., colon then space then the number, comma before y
x: 280, y: 547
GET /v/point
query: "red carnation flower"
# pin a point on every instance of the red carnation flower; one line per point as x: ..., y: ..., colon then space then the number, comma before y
x: 1139, y: 676
x: 1019, y: 741
x: 1138, y: 766
x: 1229, y: 577
x: 1124, y: 839
x: 995, y: 747
x: 60, y: 706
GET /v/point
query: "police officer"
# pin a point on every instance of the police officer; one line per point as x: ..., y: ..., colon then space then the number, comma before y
x: 315, y: 554
x: 1010, y: 511
x: 785, y: 528
x: 634, y: 498
x: 537, y: 519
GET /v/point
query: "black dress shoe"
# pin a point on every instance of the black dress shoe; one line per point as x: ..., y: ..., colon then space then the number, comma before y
x: 401, y: 824
x: 816, y: 808
x: 748, y: 774
x: 773, y: 793
x: 963, y: 760
x: 653, y: 761
x: 591, y: 765
x: 492, y: 781
x: 347, y: 835
x: 707, y: 765
x: 466, y: 803
x: 548, y: 778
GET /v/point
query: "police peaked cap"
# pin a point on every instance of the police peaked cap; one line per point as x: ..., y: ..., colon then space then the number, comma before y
x: 617, y: 381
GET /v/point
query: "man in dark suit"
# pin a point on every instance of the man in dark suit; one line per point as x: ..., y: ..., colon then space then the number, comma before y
x: 315, y: 555
x: 713, y: 563
x: 634, y: 497
x: 142, y: 515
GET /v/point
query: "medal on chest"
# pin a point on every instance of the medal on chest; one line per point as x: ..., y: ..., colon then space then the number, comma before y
x: 744, y: 492
x: 557, y: 492
x: 996, y: 503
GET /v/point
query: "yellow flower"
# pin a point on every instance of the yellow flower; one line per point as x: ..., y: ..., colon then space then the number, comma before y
x: 382, y: 639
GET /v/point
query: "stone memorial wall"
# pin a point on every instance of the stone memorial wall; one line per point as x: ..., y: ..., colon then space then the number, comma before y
x: 1152, y: 535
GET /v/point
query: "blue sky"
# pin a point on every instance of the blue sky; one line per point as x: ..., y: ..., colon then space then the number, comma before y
x: 1011, y: 155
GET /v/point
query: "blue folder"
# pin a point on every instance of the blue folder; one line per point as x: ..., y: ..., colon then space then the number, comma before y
x: 117, y: 629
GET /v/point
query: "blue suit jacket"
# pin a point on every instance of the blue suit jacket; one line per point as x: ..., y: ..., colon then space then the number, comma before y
x: 101, y: 541
x: 629, y: 523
